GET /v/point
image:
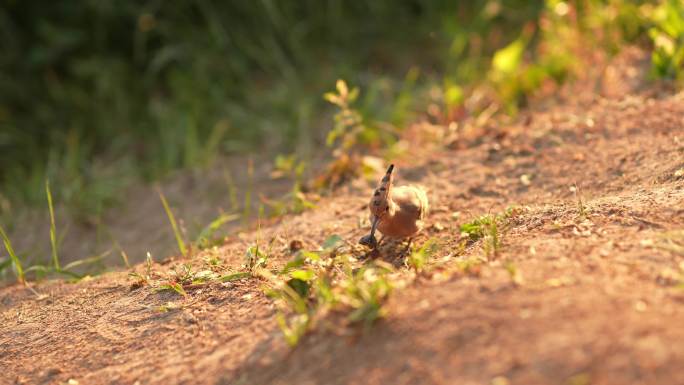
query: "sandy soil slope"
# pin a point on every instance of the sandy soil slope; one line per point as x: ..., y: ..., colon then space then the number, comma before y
x: 596, y: 297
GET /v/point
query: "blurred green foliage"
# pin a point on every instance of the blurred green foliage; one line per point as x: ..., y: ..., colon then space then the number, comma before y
x: 96, y: 94
x: 95, y: 90
x: 667, y: 34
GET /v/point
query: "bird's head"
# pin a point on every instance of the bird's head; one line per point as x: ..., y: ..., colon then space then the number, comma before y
x: 381, y: 202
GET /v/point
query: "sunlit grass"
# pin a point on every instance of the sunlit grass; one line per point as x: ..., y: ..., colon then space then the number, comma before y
x: 53, y: 227
x: 174, y: 225
x: 19, y: 270
x: 489, y: 230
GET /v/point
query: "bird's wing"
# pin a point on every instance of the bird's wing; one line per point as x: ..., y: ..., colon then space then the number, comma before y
x: 411, y: 200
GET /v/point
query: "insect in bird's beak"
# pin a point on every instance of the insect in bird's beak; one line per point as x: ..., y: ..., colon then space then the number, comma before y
x: 370, y: 240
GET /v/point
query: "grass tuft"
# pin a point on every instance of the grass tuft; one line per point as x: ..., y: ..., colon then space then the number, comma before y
x: 582, y: 211
x: 489, y: 228
x: 316, y: 283
x: 419, y: 258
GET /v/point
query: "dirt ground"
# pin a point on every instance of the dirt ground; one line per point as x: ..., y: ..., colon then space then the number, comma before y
x: 597, y: 297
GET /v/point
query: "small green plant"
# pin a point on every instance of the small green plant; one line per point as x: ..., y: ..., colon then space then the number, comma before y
x: 478, y: 228
x: 419, y: 258
x: 55, y: 266
x: 13, y: 258
x: 255, y: 259
x: 183, y: 276
x: 311, y: 286
x: 172, y: 220
x: 144, y: 278
x: 288, y: 166
x: 581, y: 207
x: 489, y: 229
x: 294, y: 287
x: 350, y: 138
x: 348, y: 121
x: 294, y: 293
x: 212, y: 259
x: 365, y: 291
x: 294, y: 202
x: 491, y: 242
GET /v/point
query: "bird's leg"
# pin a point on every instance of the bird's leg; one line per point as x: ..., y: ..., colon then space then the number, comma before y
x: 408, y: 245
x: 381, y: 239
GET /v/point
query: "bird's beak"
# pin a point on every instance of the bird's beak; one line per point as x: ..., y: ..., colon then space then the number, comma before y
x: 374, y: 224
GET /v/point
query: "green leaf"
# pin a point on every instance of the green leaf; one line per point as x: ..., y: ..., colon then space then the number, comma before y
x: 332, y: 98
x: 296, y: 263
x: 175, y: 286
x: 301, y: 287
x: 304, y: 275
x: 508, y: 59
x: 310, y: 255
x: 332, y: 242
x: 454, y: 95
x: 342, y: 88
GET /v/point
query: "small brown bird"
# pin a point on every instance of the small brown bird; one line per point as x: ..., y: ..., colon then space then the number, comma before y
x: 397, y: 212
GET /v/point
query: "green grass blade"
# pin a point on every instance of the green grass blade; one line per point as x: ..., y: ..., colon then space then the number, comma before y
x: 248, y: 193
x: 211, y: 228
x: 86, y: 261
x: 40, y: 271
x: 53, y: 227
x: 234, y: 276
x: 174, y: 286
x: 15, y: 260
x: 5, y: 264
x: 174, y: 225
x: 232, y: 191
x: 68, y: 273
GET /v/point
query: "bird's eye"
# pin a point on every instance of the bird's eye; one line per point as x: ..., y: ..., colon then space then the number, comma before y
x: 387, y: 208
